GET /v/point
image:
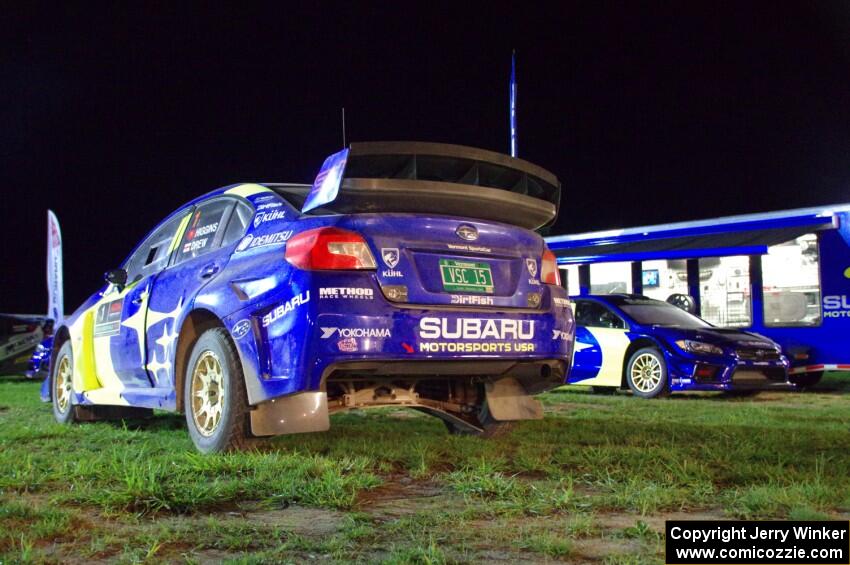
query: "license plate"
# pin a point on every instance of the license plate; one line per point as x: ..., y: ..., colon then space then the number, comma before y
x: 466, y: 276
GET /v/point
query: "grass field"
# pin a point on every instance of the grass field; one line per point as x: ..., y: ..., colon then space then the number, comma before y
x: 594, y: 481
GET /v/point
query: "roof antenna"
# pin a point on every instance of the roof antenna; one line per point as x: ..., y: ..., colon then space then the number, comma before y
x: 343, y: 127
x: 514, y: 148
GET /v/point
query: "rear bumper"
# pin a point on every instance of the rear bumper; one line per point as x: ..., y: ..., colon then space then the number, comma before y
x: 301, y: 348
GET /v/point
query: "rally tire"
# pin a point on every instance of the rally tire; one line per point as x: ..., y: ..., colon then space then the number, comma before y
x: 490, y: 427
x: 646, y: 373
x: 214, y: 395
x: 62, y: 385
x: 806, y: 380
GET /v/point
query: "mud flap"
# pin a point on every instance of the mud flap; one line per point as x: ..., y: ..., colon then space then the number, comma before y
x: 297, y: 414
x: 508, y: 400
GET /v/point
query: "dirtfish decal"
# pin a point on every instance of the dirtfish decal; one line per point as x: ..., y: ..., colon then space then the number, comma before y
x: 472, y: 299
x: 286, y: 308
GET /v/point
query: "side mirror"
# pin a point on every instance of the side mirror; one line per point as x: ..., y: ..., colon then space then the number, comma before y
x: 118, y: 277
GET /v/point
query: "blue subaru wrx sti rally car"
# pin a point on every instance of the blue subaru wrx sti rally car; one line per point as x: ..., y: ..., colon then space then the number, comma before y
x: 407, y: 275
x: 652, y: 347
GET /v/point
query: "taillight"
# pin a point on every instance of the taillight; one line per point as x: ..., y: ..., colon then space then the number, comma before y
x: 329, y: 248
x: 549, y: 269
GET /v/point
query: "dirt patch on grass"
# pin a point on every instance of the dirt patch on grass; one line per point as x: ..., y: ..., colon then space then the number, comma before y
x: 554, y: 405
x: 308, y: 522
x: 597, y: 549
x: 621, y: 521
x: 494, y: 556
x: 404, y: 497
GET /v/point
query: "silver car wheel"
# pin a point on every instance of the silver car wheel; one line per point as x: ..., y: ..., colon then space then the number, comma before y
x: 646, y: 372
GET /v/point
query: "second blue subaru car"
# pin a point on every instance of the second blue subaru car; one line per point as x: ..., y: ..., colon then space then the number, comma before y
x: 653, y: 348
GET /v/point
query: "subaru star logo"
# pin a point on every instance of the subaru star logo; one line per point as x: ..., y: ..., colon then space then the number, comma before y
x: 467, y: 232
x: 241, y: 328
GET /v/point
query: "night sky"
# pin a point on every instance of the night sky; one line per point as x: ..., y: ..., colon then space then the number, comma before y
x: 647, y: 114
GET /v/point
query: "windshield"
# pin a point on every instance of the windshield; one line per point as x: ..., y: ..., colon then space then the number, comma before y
x: 662, y: 314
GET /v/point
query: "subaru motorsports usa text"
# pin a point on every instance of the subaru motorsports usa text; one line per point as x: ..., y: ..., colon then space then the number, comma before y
x: 407, y: 275
x: 653, y: 347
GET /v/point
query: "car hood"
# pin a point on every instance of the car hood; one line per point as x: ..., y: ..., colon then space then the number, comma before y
x: 718, y: 336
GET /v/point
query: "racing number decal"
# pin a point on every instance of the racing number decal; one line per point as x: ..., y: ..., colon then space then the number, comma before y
x: 108, y: 319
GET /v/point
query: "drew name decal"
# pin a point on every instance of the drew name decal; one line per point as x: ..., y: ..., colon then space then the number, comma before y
x: 190, y: 246
x: 286, y: 308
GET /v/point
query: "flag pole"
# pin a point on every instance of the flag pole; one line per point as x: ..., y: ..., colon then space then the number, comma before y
x: 514, y: 148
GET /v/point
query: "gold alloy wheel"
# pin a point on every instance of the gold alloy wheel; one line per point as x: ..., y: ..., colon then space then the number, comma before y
x: 646, y: 372
x: 62, y: 386
x: 207, y: 393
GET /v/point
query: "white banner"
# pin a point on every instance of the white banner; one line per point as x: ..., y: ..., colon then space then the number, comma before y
x: 55, y: 300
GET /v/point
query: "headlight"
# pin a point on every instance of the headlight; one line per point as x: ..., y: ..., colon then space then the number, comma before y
x: 699, y: 347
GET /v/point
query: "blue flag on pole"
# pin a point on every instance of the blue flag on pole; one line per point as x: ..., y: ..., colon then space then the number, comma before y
x: 55, y: 300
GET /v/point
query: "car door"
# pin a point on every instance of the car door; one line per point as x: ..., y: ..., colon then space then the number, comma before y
x: 198, y: 259
x: 119, y: 316
x: 601, y: 344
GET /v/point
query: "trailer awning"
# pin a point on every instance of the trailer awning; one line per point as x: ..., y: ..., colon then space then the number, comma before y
x: 648, y: 245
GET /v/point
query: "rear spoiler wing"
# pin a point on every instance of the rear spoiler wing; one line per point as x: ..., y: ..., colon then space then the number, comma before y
x: 419, y: 177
